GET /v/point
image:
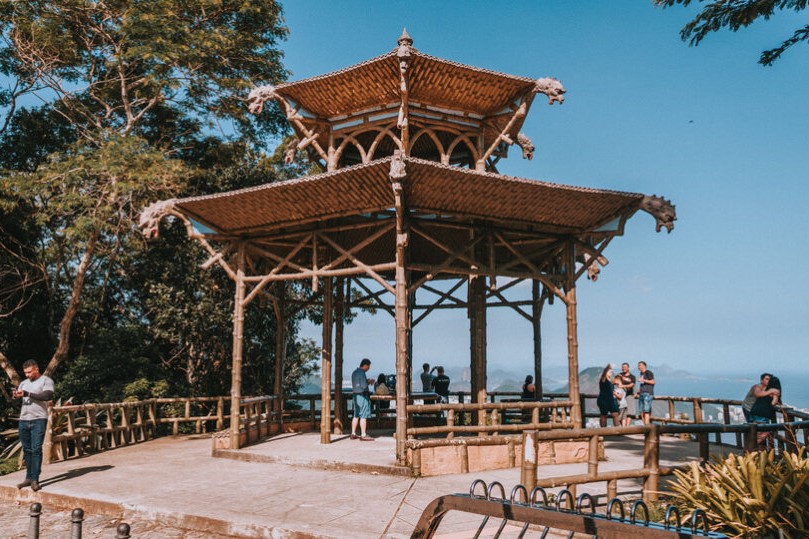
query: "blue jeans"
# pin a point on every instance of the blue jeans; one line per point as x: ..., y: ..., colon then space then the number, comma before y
x: 32, y: 435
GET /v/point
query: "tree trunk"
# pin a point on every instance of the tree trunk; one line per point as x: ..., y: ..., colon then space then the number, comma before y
x: 72, y: 307
x: 11, y: 372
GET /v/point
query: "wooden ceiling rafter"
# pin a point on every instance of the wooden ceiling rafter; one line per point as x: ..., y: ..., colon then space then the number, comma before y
x: 373, y: 296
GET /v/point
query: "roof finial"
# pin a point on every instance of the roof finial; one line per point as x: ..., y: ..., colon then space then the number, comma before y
x: 405, y: 39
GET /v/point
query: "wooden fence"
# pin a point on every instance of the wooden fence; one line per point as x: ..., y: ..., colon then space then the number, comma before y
x: 785, y: 434
x: 76, y: 430
x: 492, y: 417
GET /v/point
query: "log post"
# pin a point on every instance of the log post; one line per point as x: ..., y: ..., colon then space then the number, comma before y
x: 651, y: 463
x: 338, y: 356
x: 325, y: 366
x: 612, y: 488
x: 576, y: 414
x: 528, y: 470
x: 536, y: 316
x: 697, y: 411
x: 280, y: 349
x: 704, y: 447
x: 592, y: 456
x: 751, y: 441
x: 47, y: 444
x: 477, y: 330
x: 402, y: 308
x: 236, y: 366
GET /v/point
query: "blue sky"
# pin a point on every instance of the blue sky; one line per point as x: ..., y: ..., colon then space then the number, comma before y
x: 721, y: 136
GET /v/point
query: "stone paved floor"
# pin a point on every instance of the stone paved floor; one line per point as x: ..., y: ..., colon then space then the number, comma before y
x: 166, y: 486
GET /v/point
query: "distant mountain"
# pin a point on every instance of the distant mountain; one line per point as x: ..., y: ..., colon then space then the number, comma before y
x: 588, y: 381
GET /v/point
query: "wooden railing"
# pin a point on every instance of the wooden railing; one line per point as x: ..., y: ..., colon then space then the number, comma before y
x: 650, y: 470
x: 76, y: 430
x: 256, y: 416
x: 490, y: 417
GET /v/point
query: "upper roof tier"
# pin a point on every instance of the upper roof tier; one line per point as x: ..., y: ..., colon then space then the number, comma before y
x: 424, y: 106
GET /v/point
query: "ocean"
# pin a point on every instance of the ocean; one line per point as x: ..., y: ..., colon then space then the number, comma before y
x: 795, y: 386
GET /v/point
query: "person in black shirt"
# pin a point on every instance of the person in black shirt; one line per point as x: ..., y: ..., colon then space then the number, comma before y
x: 441, y: 384
x: 528, y: 389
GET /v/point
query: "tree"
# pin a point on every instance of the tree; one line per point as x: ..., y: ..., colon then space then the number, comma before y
x: 736, y: 14
x: 111, y: 64
x: 130, y: 89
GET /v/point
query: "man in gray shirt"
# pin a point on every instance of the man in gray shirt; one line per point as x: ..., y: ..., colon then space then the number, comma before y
x: 36, y: 391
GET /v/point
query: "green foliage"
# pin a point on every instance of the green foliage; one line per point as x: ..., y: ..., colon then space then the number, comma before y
x: 112, y: 64
x: 143, y: 388
x: 142, y: 101
x: 733, y: 15
x: 752, y: 495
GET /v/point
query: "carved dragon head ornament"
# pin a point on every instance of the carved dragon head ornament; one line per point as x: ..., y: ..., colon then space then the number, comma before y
x: 149, y: 221
x: 258, y: 96
x: 661, y: 209
x: 552, y: 88
x: 527, y: 146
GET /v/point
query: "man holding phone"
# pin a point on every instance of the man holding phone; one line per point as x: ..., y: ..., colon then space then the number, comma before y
x: 36, y: 391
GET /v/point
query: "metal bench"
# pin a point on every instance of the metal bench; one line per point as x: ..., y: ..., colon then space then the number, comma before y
x: 531, y: 513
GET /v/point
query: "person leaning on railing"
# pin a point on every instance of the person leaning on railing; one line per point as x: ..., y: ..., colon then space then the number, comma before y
x: 758, y: 390
x: 763, y: 410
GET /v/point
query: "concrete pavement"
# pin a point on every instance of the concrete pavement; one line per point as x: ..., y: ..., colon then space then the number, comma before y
x: 291, y: 486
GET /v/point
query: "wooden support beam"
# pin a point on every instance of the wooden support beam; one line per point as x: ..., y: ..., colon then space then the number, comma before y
x: 519, y: 113
x: 357, y: 262
x: 236, y: 359
x: 279, y: 304
x: 572, y: 339
x: 397, y: 175
x: 538, y: 300
x: 375, y: 296
x: 325, y: 365
x: 512, y: 304
x: 281, y: 265
x: 477, y: 286
x: 360, y: 246
x: 339, y: 419
x: 442, y: 296
x: 456, y: 253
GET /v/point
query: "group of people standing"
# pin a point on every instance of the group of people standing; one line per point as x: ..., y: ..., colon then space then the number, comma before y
x: 615, y: 389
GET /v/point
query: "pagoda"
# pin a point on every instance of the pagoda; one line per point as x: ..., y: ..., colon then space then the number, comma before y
x: 409, y: 195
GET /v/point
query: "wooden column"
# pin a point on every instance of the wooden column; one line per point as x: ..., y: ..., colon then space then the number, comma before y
x: 236, y: 364
x: 536, y: 324
x: 338, y: 355
x: 402, y: 310
x: 477, y: 329
x: 325, y: 365
x: 572, y: 340
x: 471, y: 314
x: 279, y: 305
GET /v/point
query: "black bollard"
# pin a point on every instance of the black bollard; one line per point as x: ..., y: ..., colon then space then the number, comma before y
x: 76, y: 518
x: 33, y: 522
x: 122, y: 531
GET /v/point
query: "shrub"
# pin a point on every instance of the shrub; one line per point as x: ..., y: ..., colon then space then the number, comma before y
x: 757, y: 494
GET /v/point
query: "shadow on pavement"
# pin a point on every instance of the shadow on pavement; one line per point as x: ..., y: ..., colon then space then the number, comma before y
x: 77, y: 472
